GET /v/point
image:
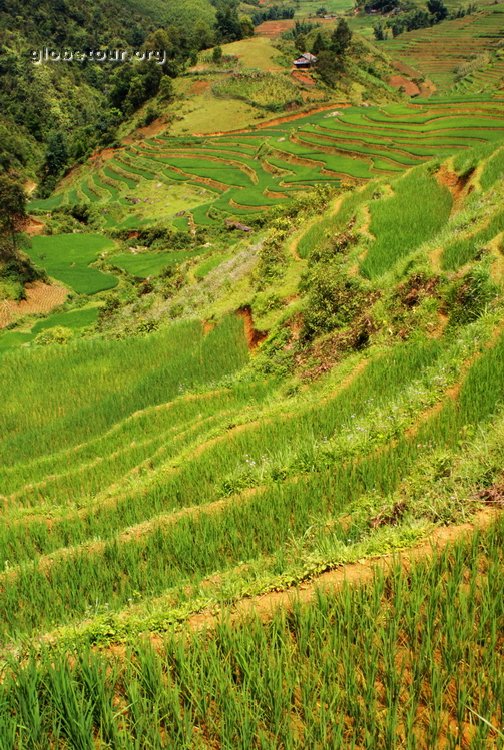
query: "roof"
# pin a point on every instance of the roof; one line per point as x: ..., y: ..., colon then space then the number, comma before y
x: 308, y: 56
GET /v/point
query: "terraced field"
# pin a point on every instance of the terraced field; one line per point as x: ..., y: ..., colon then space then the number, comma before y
x: 438, y: 52
x: 159, y: 479
x: 246, y: 173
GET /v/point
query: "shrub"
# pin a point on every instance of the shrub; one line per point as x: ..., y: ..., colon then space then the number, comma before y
x: 333, y: 300
x: 56, y: 335
x: 470, y: 296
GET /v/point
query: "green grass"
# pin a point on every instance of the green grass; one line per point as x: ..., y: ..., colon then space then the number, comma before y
x: 183, y: 551
x: 351, y: 667
x: 204, y: 268
x: 144, y: 371
x: 74, y: 319
x: 151, y: 264
x: 232, y: 171
x: 67, y: 257
x: 494, y: 170
x: 418, y: 210
x: 459, y: 252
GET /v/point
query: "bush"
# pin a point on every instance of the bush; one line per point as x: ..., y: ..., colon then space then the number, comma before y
x: 56, y: 335
x: 333, y: 300
x: 471, y: 295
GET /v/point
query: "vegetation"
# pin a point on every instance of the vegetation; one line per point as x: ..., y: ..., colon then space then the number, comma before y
x: 250, y: 363
x: 287, y: 680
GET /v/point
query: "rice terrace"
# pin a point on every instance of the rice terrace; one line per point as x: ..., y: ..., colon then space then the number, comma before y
x: 252, y: 375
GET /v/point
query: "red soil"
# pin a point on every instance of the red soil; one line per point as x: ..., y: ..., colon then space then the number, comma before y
x: 253, y: 336
x: 198, y: 87
x: 458, y: 185
x: 306, y: 79
x: 410, y: 88
x: 34, y: 226
x: 40, y: 298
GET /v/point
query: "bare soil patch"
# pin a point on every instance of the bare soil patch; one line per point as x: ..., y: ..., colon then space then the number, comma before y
x: 305, y: 78
x: 253, y: 336
x: 401, y: 82
x: 156, y: 127
x: 34, y: 226
x: 40, y: 298
x: 198, y: 87
x: 458, y: 185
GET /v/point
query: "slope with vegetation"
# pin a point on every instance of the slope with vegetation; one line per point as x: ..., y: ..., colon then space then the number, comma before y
x: 241, y: 369
x: 188, y: 471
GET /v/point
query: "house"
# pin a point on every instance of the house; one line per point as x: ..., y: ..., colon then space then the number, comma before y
x: 305, y: 61
x: 231, y: 224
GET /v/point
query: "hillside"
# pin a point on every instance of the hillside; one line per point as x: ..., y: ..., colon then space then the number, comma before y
x: 56, y: 113
x: 191, y: 469
x: 252, y: 382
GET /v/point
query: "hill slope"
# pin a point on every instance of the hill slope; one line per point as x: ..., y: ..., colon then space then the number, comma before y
x: 190, y: 468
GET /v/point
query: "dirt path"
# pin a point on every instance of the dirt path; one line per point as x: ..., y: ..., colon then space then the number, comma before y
x: 355, y: 574
x: 40, y: 298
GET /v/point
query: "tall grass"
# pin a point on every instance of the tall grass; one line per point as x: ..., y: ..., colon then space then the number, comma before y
x: 91, y: 385
x: 189, y: 548
x: 354, y: 668
x: 418, y: 209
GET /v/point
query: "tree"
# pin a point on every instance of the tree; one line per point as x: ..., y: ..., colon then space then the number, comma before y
x: 341, y: 37
x: 438, y: 9
x: 228, y: 24
x: 166, y: 92
x: 300, y: 42
x: 319, y: 44
x: 217, y: 54
x: 328, y: 67
x: 380, y: 32
x: 56, y: 156
x: 12, y: 214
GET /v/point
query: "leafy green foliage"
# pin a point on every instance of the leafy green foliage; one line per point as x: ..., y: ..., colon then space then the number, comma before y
x: 470, y: 296
x: 12, y: 215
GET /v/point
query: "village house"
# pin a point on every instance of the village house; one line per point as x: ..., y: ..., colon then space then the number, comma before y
x: 305, y: 61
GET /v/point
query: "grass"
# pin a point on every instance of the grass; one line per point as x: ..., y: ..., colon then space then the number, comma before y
x: 67, y: 257
x: 494, y: 170
x: 182, y: 551
x: 302, y: 679
x: 151, y: 264
x: 402, y: 222
x: 208, y: 265
x: 162, y: 475
x: 87, y: 368
x: 267, y: 91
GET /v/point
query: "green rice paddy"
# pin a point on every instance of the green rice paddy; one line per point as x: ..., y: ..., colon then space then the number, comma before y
x: 68, y: 258
x: 235, y: 171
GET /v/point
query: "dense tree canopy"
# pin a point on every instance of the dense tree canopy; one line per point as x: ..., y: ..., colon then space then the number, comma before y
x: 12, y: 214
